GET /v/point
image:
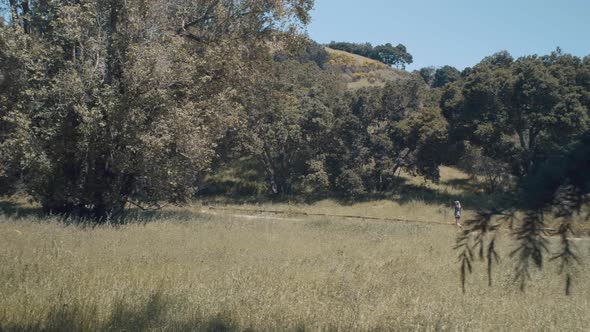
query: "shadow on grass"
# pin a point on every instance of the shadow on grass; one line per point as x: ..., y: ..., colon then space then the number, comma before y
x: 15, y: 211
x: 18, y: 210
x: 153, y: 314
x: 157, y: 313
x: 472, y: 197
x: 464, y: 185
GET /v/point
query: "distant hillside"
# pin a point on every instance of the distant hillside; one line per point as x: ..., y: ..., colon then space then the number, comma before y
x: 358, y: 71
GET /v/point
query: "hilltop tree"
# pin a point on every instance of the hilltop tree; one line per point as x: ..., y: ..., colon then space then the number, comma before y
x: 388, y: 54
x: 397, y: 56
x: 501, y: 59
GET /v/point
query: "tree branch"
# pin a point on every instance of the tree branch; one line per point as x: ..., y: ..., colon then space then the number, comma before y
x: 206, y: 16
x: 156, y: 208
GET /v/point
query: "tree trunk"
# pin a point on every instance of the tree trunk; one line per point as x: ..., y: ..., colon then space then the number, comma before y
x: 532, y: 150
x: 14, y: 13
x: 524, y: 163
x: 115, y: 48
x: 270, y: 171
x: 26, y: 16
x: 528, y: 145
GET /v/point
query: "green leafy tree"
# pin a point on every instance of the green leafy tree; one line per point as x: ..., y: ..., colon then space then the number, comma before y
x: 397, y: 56
x: 386, y: 130
x: 427, y: 74
x: 532, y: 114
x: 501, y: 59
x: 518, y: 112
x: 289, y: 125
x: 388, y: 54
x: 123, y: 102
x: 445, y: 75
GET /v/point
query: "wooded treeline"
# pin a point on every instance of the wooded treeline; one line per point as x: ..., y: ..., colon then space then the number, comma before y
x: 522, y: 114
x: 528, y: 117
x: 108, y: 103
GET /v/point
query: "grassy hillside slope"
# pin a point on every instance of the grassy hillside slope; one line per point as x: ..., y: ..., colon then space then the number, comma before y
x: 358, y: 71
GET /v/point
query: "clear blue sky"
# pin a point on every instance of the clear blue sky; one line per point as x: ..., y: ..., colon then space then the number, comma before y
x: 457, y: 32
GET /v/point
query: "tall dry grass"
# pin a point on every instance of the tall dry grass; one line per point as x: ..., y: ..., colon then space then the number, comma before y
x: 186, y: 270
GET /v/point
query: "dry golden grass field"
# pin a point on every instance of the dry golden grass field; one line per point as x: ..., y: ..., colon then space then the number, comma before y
x: 198, y: 269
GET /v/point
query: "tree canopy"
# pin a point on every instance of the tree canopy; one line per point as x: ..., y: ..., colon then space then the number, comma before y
x: 109, y: 102
x: 520, y: 111
x: 530, y: 117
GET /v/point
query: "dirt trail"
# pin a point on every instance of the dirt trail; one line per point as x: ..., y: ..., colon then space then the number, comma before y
x: 256, y: 214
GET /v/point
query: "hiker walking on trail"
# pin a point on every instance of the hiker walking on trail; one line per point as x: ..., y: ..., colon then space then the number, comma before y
x: 457, y: 206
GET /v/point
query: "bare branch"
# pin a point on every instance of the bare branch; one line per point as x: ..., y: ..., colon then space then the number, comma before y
x: 153, y: 208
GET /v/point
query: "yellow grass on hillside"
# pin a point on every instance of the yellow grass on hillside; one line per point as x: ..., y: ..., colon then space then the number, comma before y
x: 359, y: 71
